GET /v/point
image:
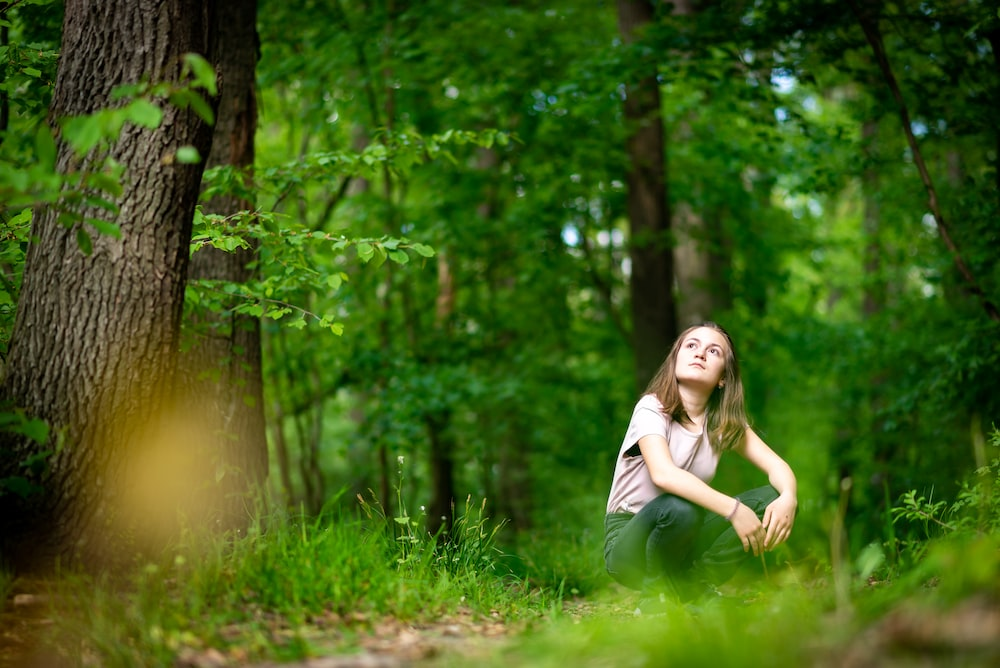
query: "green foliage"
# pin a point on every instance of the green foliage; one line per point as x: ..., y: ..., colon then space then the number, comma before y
x: 783, y: 627
x: 465, y: 547
x: 290, y: 588
x: 35, y: 465
x: 292, y: 263
x: 14, y: 233
x: 975, y: 511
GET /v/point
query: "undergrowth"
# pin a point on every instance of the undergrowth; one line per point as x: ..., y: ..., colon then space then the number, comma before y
x: 291, y: 587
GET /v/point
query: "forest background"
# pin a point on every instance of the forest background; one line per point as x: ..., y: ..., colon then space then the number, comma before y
x: 465, y: 235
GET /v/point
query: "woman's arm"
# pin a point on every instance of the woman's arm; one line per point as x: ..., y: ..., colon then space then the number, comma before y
x: 779, y: 516
x: 672, y: 479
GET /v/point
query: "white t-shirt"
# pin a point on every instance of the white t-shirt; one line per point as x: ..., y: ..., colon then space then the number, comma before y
x: 631, y: 487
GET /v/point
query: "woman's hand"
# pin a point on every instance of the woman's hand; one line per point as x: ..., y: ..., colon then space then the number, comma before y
x: 749, y: 529
x: 779, y: 516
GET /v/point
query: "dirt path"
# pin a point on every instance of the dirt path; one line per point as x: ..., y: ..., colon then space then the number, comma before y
x: 968, y: 634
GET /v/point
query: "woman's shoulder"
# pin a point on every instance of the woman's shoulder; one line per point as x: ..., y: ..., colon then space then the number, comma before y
x: 649, y: 401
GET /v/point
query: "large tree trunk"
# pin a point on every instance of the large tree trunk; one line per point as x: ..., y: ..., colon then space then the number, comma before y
x: 222, y: 367
x: 94, y: 346
x: 654, y: 321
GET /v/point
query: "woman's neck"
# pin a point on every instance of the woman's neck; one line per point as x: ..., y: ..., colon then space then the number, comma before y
x: 695, y: 406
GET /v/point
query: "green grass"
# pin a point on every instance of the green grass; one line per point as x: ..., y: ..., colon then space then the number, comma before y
x: 293, y: 587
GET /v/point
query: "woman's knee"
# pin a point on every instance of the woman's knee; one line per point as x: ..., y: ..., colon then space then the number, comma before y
x: 759, y: 498
x: 677, y: 512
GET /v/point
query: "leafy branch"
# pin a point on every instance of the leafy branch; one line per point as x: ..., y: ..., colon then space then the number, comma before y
x: 873, y: 34
x: 288, y: 264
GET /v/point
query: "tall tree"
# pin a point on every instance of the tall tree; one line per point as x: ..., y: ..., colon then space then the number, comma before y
x: 222, y: 364
x: 94, y: 346
x: 654, y: 318
x: 691, y: 253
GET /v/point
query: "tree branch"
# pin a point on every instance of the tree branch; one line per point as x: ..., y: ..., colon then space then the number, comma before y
x: 874, y: 37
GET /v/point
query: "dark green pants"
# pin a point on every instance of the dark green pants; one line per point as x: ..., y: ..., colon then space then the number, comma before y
x: 675, y: 545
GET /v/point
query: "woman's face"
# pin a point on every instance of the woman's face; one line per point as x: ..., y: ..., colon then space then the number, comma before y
x: 701, y: 358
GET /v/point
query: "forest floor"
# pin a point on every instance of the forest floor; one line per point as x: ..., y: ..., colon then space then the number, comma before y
x: 966, y: 634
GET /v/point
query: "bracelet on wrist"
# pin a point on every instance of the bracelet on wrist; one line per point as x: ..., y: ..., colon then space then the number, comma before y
x: 731, y: 515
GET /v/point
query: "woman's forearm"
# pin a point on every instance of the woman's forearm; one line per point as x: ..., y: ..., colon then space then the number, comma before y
x: 688, y: 486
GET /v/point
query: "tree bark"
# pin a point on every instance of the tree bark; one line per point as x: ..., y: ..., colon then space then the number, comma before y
x: 94, y: 345
x: 654, y: 319
x: 222, y: 367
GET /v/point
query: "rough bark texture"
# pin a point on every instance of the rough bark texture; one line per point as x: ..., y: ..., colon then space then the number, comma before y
x: 94, y: 346
x: 222, y: 368
x: 654, y: 321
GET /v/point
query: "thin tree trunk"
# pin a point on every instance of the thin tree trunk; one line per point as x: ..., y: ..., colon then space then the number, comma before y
x: 654, y: 319
x: 692, y: 266
x: 94, y: 346
x: 873, y: 301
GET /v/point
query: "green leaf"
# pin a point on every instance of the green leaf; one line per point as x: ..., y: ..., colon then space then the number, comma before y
x: 21, y: 218
x: 202, y: 108
x: 424, y: 250
x: 399, y: 257
x: 20, y: 486
x: 105, y: 227
x: 106, y: 181
x: 45, y: 147
x: 82, y: 132
x: 126, y: 91
x: 83, y: 241
x: 365, y: 251
x: 188, y: 155
x: 269, y: 224
x: 32, y: 72
x: 105, y: 204
x: 144, y: 113
x: 202, y: 71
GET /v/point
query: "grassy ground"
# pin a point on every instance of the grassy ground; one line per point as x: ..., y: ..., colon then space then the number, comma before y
x: 372, y: 588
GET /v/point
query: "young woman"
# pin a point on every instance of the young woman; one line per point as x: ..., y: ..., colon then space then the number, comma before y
x: 667, y: 531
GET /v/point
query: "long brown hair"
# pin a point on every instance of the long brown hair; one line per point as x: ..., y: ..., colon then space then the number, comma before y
x: 726, y: 417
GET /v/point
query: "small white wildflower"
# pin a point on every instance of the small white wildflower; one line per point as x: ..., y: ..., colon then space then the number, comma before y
x: 422, y: 509
x: 399, y: 460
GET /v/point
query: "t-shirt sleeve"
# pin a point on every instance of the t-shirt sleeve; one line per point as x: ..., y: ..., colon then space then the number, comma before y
x: 647, y: 419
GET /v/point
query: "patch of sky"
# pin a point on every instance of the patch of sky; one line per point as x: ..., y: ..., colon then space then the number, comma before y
x: 570, y: 235
x: 782, y: 81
